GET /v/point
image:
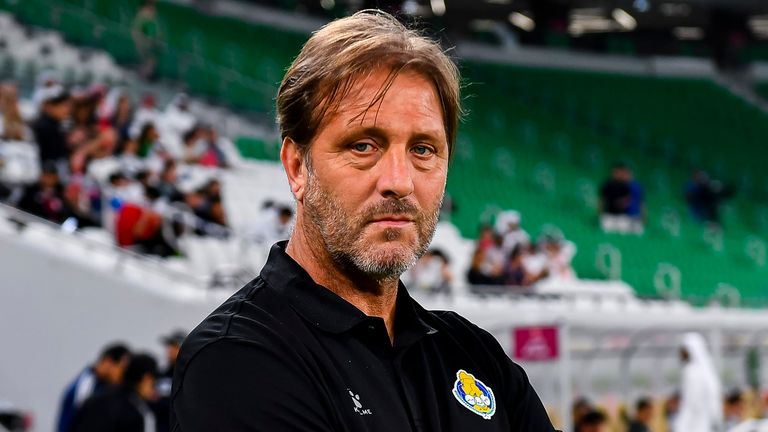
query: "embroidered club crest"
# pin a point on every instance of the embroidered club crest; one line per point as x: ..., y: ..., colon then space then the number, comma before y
x: 474, y: 395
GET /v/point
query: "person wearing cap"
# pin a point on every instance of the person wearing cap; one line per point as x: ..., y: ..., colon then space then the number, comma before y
x: 48, y: 127
x: 108, y: 371
x: 327, y: 338
x: 124, y: 408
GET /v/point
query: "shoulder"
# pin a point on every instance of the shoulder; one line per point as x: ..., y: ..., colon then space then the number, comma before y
x: 253, y: 332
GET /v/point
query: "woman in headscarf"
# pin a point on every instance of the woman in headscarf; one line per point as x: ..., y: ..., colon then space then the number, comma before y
x: 700, y: 397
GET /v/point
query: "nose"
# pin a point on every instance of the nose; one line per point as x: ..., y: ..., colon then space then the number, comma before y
x: 395, y: 173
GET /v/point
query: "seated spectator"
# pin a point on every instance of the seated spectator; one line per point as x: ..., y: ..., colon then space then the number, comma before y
x: 128, y: 156
x: 146, y: 113
x: 559, y: 254
x: 140, y: 227
x: 486, y: 238
x: 82, y: 195
x: 213, y: 155
x: 704, y: 196
x: 593, y: 421
x: 195, y: 146
x: 508, y: 225
x: 476, y: 274
x: 431, y: 274
x: 177, y: 117
x: 83, y: 129
x: 535, y: 260
x: 12, y: 126
x: 208, y: 209
x: 48, y: 127
x: 124, y: 408
x: 733, y: 412
x: 107, y: 371
x: 168, y: 181
x: 273, y: 224
x: 45, y: 198
x: 643, y: 416
x: 515, y: 272
x: 621, y: 207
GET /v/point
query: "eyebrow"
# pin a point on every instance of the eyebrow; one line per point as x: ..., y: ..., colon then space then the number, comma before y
x: 380, y: 133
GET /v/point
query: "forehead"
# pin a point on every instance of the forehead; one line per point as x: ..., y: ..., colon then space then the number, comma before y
x: 408, y: 96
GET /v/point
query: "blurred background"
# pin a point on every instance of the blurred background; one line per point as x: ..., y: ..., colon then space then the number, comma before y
x: 608, y: 194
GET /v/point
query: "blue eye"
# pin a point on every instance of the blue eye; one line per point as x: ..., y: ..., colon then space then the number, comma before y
x: 422, y: 150
x: 361, y: 147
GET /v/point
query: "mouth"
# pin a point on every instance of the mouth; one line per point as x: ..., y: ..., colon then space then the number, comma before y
x: 392, y: 220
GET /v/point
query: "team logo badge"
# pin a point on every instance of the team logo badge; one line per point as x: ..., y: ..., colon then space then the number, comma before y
x: 474, y: 395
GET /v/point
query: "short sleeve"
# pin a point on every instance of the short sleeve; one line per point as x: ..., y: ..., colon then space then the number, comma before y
x: 246, y: 386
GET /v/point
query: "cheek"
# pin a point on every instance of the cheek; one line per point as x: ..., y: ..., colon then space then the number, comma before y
x: 428, y: 189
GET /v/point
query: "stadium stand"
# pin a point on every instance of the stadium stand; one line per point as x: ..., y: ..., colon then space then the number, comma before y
x: 559, y: 130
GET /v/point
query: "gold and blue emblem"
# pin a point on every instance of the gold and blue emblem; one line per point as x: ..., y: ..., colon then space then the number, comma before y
x: 474, y: 395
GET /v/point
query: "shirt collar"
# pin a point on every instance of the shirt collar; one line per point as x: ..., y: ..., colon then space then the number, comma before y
x: 327, y: 311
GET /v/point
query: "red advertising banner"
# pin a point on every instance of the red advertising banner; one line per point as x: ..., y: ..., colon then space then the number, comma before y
x: 535, y: 343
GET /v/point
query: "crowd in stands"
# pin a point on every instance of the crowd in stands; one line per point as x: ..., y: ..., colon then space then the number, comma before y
x: 105, y: 162
x: 622, y: 206
x: 121, y: 390
x: 505, y: 255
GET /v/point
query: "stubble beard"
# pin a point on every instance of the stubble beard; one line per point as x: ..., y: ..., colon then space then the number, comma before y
x: 343, y: 236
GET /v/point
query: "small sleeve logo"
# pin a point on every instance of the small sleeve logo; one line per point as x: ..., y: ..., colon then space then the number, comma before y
x: 474, y: 395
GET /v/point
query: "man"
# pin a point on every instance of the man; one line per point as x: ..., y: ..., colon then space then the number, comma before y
x: 108, y: 371
x: 326, y: 338
x: 700, y: 396
x: 734, y: 410
x: 123, y: 408
x: 643, y: 416
x: 48, y: 127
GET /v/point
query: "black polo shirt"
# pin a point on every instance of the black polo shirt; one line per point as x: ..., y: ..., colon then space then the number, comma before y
x: 286, y: 354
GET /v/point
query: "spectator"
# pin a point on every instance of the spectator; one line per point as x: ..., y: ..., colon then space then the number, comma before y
x: 194, y: 146
x: 516, y: 274
x: 704, y: 197
x: 581, y: 407
x: 494, y: 259
x: 162, y: 406
x: 508, y: 225
x: 593, y: 421
x: 701, y: 406
x: 476, y: 275
x: 140, y: 227
x: 123, y: 116
x: 168, y: 179
x: 485, y: 239
x: 431, y: 274
x: 559, y: 255
x: 146, y: 113
x: 48, y: 128
x: 146, y: 35
x: 128, y: 156
x: 643, y: 416
x: 671, y: 409
x: 12, y: 126
x: 213, y: 155
x: 734, y: 409
x: 83, y: 129
x: 535, y: 260
x: 621, y: 206
x: 45, y: 198
x: 124, y: 408
x: 107, y: 371
x: 177, y: 117
x: 273, y: 224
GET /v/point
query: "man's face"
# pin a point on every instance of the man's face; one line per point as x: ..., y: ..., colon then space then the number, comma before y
x: 376, y: 179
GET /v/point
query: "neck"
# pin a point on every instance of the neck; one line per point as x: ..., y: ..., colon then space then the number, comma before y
x: 374, y: 297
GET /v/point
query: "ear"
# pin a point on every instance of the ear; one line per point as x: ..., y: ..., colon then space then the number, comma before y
x: 293, y: 163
